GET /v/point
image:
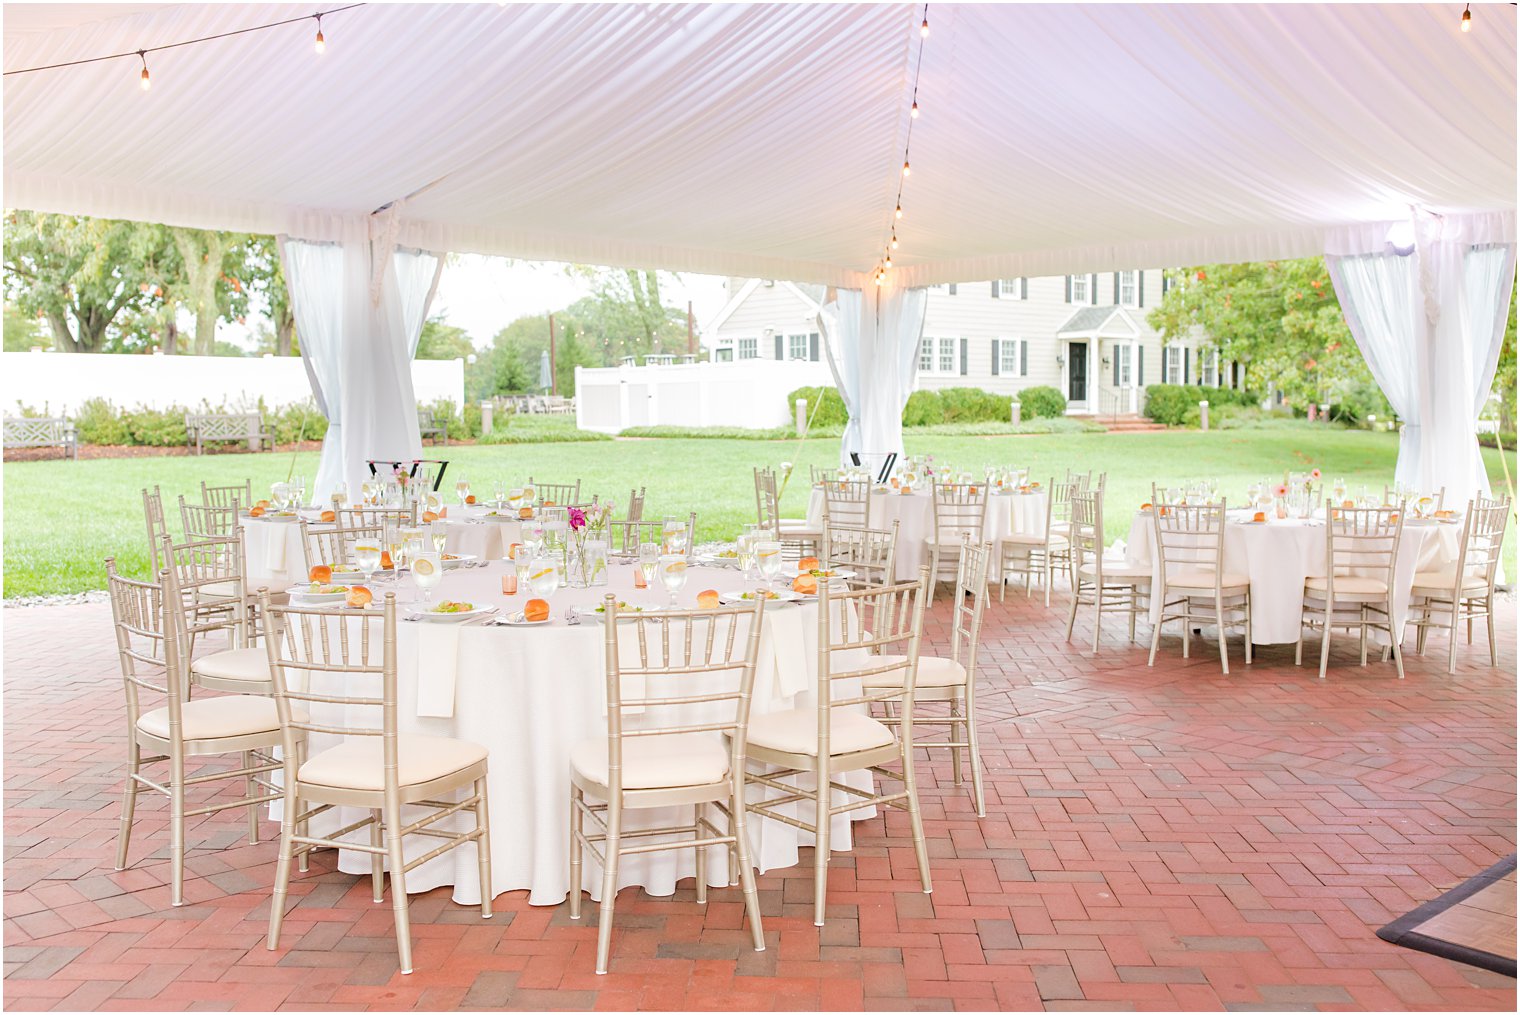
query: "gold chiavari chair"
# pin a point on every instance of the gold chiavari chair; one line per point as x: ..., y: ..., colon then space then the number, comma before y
x: 367, y: 517
x: 227, y: 496
x: 1108, y: 586
x: 847, y: 503
x: 328, y: 665
x: 1392, y: 497
x: 158, y: 526
x: 203, y: 521
x: 627, y: 536
x: 960, y: 512
x: 1195, y: 588
x: 1060, y: 502
x: 561, y: 494
x: 333, y: 544
x: 870, y: 553
x: 1356, y: 593
x: 796, y: 536
x: 1466, y: 592
x: 677, y: 684
x: 1034, y: 554
x: 807, y: 747
x: 151, y: 644
x: 635, y: 511
x: 211, y: 577
x: 952, y: 679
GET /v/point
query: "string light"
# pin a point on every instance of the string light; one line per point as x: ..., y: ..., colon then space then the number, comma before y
x: 894, y: 239
x: 907, y: 169
x: 142, y: 54
x: 885, y: 263
x: 1467, y: 18
x: 914, y: 111
x: 899, y: 209
x: 923, y: 29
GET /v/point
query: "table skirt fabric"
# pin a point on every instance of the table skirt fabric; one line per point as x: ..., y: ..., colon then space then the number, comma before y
x: 1007, y: 514
x: 1280, y: 554
x: 529, y: 695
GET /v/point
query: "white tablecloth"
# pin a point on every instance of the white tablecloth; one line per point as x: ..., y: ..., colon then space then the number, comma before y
x: 277, y: 559
x: 1007, y: 514
x: 530, y: 694
x: 1279, y: 554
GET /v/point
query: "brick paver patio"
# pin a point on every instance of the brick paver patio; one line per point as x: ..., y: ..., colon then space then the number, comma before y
x: 1156, y: 839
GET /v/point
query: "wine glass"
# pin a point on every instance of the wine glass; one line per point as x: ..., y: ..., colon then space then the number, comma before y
x: 462, y: 489
x: 427, y: 572
x: 768, y: 555
x: 745, y: 544
x: 500, y: 491
x: 298, y: 490
x: 413, y: 545
x: 339, y: 495
x: 533, y: 536
x: 543, y: 578
x: 673, y: 574
x: 673, y: 532
x: 649, y: 561
x: 439, y: 530
x: 280, y: 494
x: 393, y: 543
x: 1338, y: 491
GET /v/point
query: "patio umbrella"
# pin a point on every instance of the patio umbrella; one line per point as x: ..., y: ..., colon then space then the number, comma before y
x: 545, y: 377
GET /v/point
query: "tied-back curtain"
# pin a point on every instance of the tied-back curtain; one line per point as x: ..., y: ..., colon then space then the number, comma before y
x: 359, y: 306
x: 1430, y: 324
x: 871, y: 339
x: 314, y: 275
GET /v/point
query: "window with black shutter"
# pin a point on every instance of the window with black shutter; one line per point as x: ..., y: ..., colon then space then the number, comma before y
x: 996, y: 352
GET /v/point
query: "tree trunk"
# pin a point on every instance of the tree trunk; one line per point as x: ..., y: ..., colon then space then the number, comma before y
x: 63, y: 337
x: 171, y: 336
x: 284, y: 332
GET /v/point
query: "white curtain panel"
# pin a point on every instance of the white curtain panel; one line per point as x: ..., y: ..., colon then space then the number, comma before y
x: 872, y: 342
x: 314, y: 278
x: 1430, y: 325
x: 358, y: 348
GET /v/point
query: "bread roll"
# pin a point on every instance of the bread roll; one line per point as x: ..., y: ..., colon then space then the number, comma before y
x: 537, y: 609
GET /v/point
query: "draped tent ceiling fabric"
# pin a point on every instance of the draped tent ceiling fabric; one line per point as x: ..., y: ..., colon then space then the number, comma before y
x: 765, y: 140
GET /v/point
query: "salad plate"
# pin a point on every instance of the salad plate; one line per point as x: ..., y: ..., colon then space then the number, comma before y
x: 451, y: 611
x: 520, y: 619
x: 315, y: 592
x: 774, y: 595
x: 457, y: 559
x: 626, y: 610
x: 820, y: 572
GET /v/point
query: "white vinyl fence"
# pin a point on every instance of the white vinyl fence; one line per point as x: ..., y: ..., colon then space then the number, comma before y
x: 59, y: 382
x: 747, y: 393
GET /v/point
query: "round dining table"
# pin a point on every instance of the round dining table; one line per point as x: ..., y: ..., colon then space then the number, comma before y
x: 276, y: 558
x: 1279, y: 554
x: 530, y: 693
x: 1008, y: 513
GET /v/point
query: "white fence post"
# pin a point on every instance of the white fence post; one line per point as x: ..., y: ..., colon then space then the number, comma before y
x: 801, y: 411
x: 1203, y: 414
x: 1014, y: 411
x: 486, y: 414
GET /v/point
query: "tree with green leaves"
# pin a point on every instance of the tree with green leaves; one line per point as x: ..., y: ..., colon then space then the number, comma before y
x: 625, y: 314
x: 24, y: 332
x: 80, y: 274
x: 1280, y: 318
x: 1504, y: 377
x: 441, y: 340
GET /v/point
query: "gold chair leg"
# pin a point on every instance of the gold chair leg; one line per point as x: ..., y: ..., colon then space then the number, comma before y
x: 976, y: 761
x: 610, y: 847
x: 1398, y: 655
x: 1324, y: 644
x: 822, y: 822
x: 376, y: 860
x: 282, y: 866
x: 1224, y: 641
x: 1156, y: 632
x: 576, y: 852
x: 250, y: 788
x: 177, y: 832
x: 740, y: 827
x: 956, y: 712
x: 1097, y: 616
x: 128, y: 805
x: 397, y: 858
x: 920, y: 845
x: 1493, y: 644
x: 1071, y: 617
x: 699, y: 811
x: 483, y: 849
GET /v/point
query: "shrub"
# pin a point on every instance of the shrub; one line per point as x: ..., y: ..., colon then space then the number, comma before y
x: 1171, y: 403
x: 296, y: 422
x: 1358, y: 403
x: 1041, y: 402
x: 825, y: 407
x: 973, y: 405
x: 1507, y: 440
x: 924, y: 408
x: 98, y: 423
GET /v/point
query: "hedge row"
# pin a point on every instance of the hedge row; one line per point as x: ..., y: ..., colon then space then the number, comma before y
x: 932, y: 408
x: 1170, y: 403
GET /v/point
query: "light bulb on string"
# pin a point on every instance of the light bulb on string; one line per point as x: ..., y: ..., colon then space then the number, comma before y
x: 899, y: 209
x: 894, y: 241
x: 321, y: 45
x: 906, y: 169
x: 1467, y: 18
x: 923, y: 29
x: 144, y: 79
x: 887, y: 262
x: 914, y: 111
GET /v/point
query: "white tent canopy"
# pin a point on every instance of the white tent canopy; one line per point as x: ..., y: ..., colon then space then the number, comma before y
x: 765, y: 140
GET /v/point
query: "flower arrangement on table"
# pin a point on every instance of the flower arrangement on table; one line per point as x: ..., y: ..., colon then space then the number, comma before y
x: 587, y: 526
x: 786, y: 474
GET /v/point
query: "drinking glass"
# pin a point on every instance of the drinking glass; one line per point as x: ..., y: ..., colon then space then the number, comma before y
x: 501, y: 494
x: 523, y: 568
x: 339, y: 496
x: 462, y: 488
x: 427, y: 572
x: 413, y: 545
x: 1253, y: 492
x: 543, y: 576
x: 649, y: 561
x: 280, y: 494
x: 393, y: 543
x: 394, y: 496
x: 533, y: 536
x: 367, y: 557
x: 674, y: 532
x: 439, y: 530
x: 673, y: 574
x: 745, y: 544
x: 768, y: 555
x: 1338, y: 491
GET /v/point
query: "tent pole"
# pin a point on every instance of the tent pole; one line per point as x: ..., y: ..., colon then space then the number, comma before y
x: 553, y: 373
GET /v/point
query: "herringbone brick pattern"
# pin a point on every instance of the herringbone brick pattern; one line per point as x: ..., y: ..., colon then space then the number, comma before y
x: 1156, y: 839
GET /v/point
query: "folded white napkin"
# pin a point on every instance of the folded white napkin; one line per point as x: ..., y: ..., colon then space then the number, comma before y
x: 788, y: 655
x: 275, y: 537
x: 437, y: 669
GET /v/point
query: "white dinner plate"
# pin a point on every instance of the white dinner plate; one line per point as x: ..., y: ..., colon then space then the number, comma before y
x: 458, y: 559
x: 776, y: 596
x: 833, y: 572
x: 519, y: 619
x: 714, y: 560
x: 273, y: 517
x: 451, y: 618
x: 303, y: 593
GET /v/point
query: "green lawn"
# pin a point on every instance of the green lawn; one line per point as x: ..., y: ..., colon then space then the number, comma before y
x: 63, y: 518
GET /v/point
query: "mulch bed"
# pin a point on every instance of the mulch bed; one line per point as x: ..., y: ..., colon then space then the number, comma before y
x: 92, y: 451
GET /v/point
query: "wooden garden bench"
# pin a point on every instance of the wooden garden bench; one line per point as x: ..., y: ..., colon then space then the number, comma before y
x: 428, y: 426
x: 41, y: 432
x: 203, y: 427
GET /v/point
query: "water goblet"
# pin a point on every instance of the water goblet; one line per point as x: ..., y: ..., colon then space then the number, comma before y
x: 649, y: 561
x: 462, y: 490
x: 543, y: 577
x: 427, y: 572
x: 673, y: 574
x: 367, y: 557
x: 768, y: 556
x: 439, y: 531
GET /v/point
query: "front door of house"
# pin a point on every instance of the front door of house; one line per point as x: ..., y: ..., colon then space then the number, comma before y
x: 1076, y: 372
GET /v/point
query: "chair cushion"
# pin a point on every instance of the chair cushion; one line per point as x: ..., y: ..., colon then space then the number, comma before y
x: 359, y: 762
x: 227, y: 589
x: 251, y: 664
x: 1026, y: 539
x: 1445, y: 581
x: 933, y: 671
x: 798, y: 525
x: 795, y: 731
x: 232, y: 715
x: 1117, y: 569
x: 1205, y: 580
x: 657, y: 762
x: 1349, y: 585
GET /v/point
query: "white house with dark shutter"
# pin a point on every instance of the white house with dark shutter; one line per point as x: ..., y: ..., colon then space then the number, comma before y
x: 1083, y: 334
